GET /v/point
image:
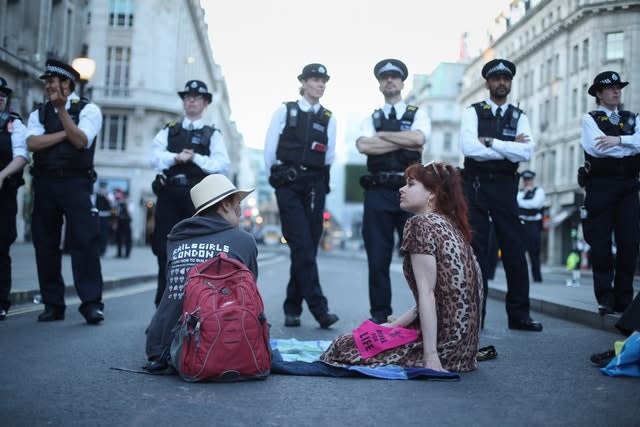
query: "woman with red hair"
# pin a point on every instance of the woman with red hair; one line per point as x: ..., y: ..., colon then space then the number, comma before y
x: 442, y: 273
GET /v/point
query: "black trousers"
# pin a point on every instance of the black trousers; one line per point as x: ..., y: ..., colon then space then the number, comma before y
x: 613, y: 208
x: 56, y: 198
x: 8, y: 234
x: 301, y: 205
x: 496, y: 197
x: 172, y: 206
x: 123, y: 238
x: 382, y: 220
x: 533, y: 230
x: 630, y: 320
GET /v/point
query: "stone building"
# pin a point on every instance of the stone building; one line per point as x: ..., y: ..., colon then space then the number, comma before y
x: 144, y: 52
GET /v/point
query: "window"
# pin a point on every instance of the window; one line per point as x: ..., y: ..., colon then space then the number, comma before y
x: 551, y: 169
x: 121, y: 13
x: 571, y: 162
x: 114, y: 132
x: 117, y: 75
x: 542, y: 74
x: 574, y: 64
x: 585, y: 53
x: 574, y: 102
x: 554, y: 110
x: 556, y: 65
x: 549, y: 69
x: 585, y: 97
x: 448, y: 142
x: 614, y: 46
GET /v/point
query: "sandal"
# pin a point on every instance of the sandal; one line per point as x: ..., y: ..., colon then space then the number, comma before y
x: 486, y: 353
x: 602, y: 359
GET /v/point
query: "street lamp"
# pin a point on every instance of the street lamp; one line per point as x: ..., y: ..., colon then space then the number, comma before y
x: 86, y: 67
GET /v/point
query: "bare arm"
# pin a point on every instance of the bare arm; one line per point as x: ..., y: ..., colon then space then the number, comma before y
x: 40, y: 142
x: 74, y: 135
x: 406, y: 318
x: 14, y: 166
x: 424, y: 270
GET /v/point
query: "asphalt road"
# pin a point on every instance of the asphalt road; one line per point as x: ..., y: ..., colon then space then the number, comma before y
x: 60, y: 374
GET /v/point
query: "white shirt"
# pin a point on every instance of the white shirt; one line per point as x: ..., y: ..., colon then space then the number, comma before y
x: 18, y: 139
x: 500, y: 149
x: 536, y: 202
x: 90, y: 121
x: 278, y: 122
x: 216, y: 162
x: 590, y: 131
x: 421, y: 120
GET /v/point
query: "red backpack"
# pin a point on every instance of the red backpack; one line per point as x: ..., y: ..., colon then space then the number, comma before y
x: 223, y: 334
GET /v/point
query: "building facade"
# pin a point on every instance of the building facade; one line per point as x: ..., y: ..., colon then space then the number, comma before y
x: 31, y: 32
x: 437, y: 93
x: 559, y: 46
x: 144, y: 53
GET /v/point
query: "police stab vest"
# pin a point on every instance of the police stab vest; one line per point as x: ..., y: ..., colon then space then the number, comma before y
x: 490, y: 126
x: 609, y: 166
x: 6, y: 149
x: 626, y: 126
x: 304, y: 139
x: 198, y: 140
x: 399, y: 160
x: 62, y: 156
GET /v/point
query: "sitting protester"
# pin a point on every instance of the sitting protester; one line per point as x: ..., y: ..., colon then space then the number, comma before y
x: 442, y: 273
x: 212, y: 229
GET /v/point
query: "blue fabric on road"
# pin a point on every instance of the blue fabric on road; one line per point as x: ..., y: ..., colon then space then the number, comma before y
x: 294, y: 357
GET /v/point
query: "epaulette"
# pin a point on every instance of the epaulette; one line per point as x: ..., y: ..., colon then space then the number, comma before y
x: 170, y: 124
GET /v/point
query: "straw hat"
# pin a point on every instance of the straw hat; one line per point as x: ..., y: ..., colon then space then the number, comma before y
x: 213, y: 189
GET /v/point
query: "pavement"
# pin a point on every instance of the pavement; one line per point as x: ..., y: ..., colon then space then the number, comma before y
x: 551, y: 297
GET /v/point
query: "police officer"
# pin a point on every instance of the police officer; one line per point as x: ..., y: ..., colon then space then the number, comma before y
x: 531, y: 200
x: 298, y: 151
x: 495, y: 136
x: 183, y: 153
x: 392, y: 138
x: 13, y: 158
x: 611, y: 143
x: 61, y: 134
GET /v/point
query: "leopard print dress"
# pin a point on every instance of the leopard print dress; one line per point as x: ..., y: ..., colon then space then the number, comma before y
x: 458, y: 295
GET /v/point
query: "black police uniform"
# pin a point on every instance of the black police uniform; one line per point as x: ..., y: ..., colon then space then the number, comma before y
x: 8, y: 208
x: 123, y: 229
x: 174, y: 202
x: 491, y: 187
x: 611, y: 205
x: 532, y: 224
x: 382, y: 213
x: 301, y: 181
x: 63, y: 179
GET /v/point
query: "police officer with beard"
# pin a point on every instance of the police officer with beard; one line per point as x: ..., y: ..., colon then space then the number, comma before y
x: 61, y: 134
x: 13, y: 158
x: 392, y: 138
x: 298, y: 151
x: 183, y: 153
x: 495, y: 137
x: 611, y: 143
